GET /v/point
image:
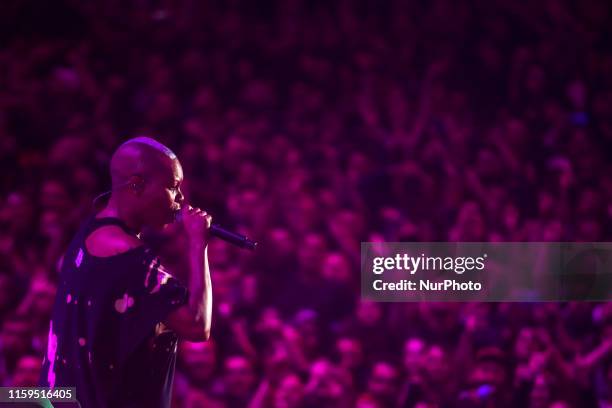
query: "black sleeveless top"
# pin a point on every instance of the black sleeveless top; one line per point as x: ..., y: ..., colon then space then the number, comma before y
x: 105, y: 336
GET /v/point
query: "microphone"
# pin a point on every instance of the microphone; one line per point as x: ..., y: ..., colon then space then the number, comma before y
x: 233, y: 238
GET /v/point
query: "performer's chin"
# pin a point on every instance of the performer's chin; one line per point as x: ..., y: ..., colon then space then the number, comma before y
x: 170, y: 219
x: 174, y: 215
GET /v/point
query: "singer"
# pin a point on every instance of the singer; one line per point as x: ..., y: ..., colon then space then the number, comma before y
x: 119, y: 313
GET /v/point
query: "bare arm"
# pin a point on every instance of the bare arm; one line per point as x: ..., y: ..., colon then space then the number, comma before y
x: 596, y: 356
x: 192, y: 321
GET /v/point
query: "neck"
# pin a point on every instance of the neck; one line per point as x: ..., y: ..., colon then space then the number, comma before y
x: 114, y: 210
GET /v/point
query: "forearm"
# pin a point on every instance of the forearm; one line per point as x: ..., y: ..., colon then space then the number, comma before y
x: 200, y: 287
x: 596, y: 356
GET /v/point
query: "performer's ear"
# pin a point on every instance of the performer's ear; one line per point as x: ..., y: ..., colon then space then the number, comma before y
x: 136, y: 184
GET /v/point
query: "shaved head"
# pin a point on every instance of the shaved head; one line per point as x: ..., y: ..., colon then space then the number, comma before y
x: 152, y: 143
x: 140, y: 156
x: 146, y: 178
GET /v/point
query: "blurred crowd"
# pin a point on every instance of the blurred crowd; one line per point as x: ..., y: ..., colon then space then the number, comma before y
x: 313, y: 126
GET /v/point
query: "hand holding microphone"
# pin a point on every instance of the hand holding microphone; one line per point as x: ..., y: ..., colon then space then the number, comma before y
x: 198, y: 224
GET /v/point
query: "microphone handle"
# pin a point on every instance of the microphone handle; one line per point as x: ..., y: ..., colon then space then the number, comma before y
x: 232, y: 237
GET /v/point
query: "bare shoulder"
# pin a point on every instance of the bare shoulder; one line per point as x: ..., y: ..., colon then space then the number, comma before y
x: 109, y: 241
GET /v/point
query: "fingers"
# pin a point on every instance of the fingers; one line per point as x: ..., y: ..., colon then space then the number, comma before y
x: 193, y: 210
x: 208, y: 220
x: 186, y: 209
x: 207, y: 216
x: 202, y: 213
